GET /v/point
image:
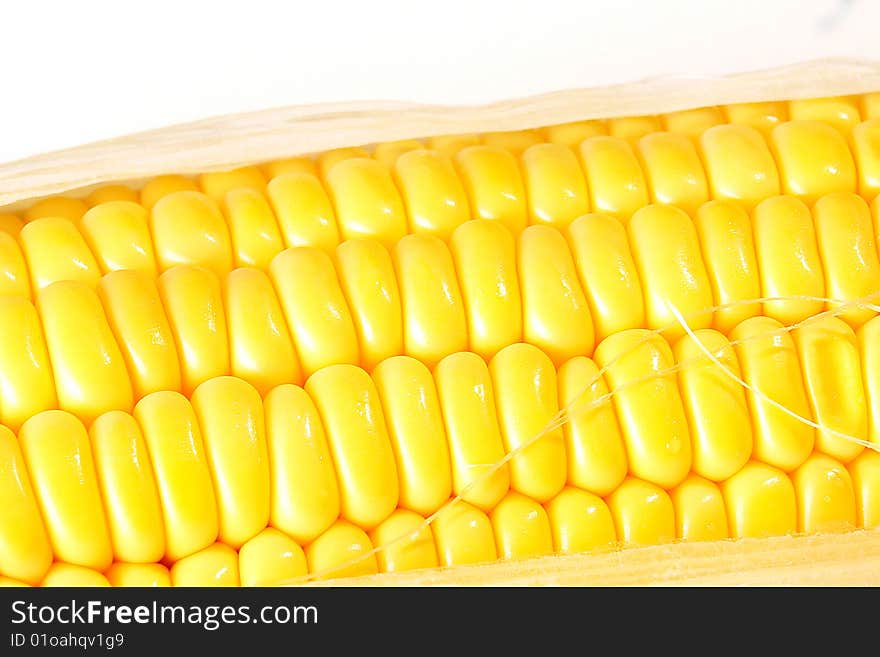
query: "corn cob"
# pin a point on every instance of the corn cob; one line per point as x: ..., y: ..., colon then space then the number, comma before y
x: 693, y: 469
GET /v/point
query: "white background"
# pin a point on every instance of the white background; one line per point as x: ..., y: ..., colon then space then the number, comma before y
x: 75, y: 71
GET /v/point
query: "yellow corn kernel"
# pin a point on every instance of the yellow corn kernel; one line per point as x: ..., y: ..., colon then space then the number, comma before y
x: 580, y: 521
x: 319, y: 319
x: 270, y: 557
x: 666, y: 250
x: 56, y: 450
x: 407, y: 543
x: 845, y: 236
x: 522, y: 528
x: 56, y: 251
x: 260, y: 346
x: 366, y: 275
x: 865, y: 142
x: 230, y: 414
x: 648, y: 405
x: 725, y: 236
x: 256, y: 238
x: 699, y: 510
x: 305, y: 495
x: 193, y: 303
x: 527, y: 398
x: 829, y: 356
x: 14, y: 280
x: 128, y: 487
x: 8, y: 582
x: 693, y: 122
x: 716, y: 408
x: 633, y: 128
x: 593, y: 442
x: 572, y: 134
x: 329, y: 159
x: 341, y: 551
x: 614, y: 177
x: 88, y: 368
x: 217, y: 183
x: 865, y: 473
x: 415, y: 425
x: 875, y: 216
x: 869, y: 355
x: 216, y: 565
x: 842, y: 112
x: 289, y: 165
x: 556, y: 316
x: 484, y: 253
x: 555, y: 186
x: 643, y: 513
x: 118, y: 233
x: 137, y: 318
x: 434, y: 323
x: 796, y: 269
x: 739, y: 165
x: 161, y: 186
x: 449, y: 145
x: 608, y: 275
x: 673, y: 170
x: 111, y: 194
x: 825, y: 495
x: 515, y: 141
x: 352, y: 414
x: 388, y: 152
x: 870, y: 106
x: 305, y: 214
x: 769, y: 361
x: 26, y: 384
x: 10, y: 224
x: 366, y: 201
x: 467, y: 399
x: 813, y: 159
x: 61, y: 207
x: 494, y: 185
x: 761, y: 116
x: 25, y: 552
x: 463, y: 535
x: 189, y: 229
x: 68, y: 575
x: 183, y: 478
x: 435, y: 199
x: 138, y: 575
